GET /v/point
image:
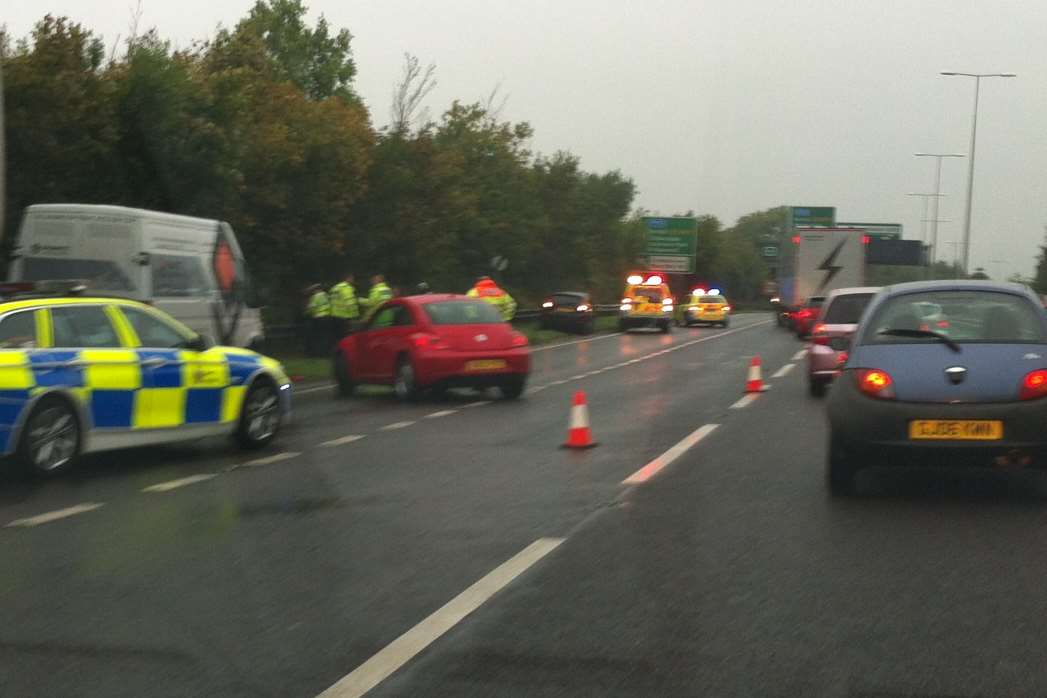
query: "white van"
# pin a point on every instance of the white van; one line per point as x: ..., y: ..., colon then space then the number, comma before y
x: 191, y: 268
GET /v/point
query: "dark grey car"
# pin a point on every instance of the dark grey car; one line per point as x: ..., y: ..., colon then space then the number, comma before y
x: 966, y: 387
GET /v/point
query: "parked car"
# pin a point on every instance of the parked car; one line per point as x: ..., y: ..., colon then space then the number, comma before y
x: 915, y: 395
x: 569, y: 310
x: 85, y: 374
x: 803, y: 318
x: 831, y: 336
x: 434, y: 342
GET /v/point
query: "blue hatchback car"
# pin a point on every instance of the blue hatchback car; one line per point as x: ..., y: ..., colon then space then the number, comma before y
x: 942, y: 373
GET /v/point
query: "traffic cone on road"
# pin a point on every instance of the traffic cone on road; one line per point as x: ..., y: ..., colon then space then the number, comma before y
x: 755, y: 382
x: 579, y: 435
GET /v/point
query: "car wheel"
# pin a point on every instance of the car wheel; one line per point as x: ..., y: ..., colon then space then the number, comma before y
x: 623, y: 326
x: 513, y: 387
x: 543, y: 324
x: 817, y: 386
x: 344, y: 385
x: 725, y: 324
x: 842, y: 467
x: 404, y: 384
x: 260, y: 415
x: 667, y: 327
x: 589, y: 326
x: 50, y: 438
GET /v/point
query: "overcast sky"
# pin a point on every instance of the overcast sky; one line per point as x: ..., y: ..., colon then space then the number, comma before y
x: 721, y: 106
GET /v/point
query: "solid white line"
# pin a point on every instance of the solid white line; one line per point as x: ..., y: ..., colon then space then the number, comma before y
x: 272, y: 459
x: 54, y: 515
x: 799, y: 355
x: 578, y: 377
x: 478, y: 403
x: 783, y: 371
x: 655, y: 466
x: 547, y: 347
x: 395, y: 425
x: 402, y: 649
x: 441, y: 413
x: 745, y: 401
x: 175, y: 484
x: 343, y: 440
x: 537, y: 388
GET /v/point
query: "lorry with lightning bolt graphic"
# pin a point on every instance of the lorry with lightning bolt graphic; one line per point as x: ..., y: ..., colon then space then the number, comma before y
x: 818, y: 260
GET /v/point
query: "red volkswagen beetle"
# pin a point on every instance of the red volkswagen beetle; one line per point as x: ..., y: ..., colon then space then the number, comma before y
x: 434, y: 342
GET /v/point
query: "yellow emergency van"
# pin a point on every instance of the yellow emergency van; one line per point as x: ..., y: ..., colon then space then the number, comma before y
x: 647, y: 302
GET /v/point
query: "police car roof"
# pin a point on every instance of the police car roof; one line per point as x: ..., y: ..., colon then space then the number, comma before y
x: 44, y: 301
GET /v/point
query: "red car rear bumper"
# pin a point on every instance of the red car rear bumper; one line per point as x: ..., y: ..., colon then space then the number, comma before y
x: 462, y: 367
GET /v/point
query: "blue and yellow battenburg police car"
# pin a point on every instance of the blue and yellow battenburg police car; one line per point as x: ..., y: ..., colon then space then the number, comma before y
x: 85, y: 374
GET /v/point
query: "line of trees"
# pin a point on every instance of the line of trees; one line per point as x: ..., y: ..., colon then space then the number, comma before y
x: 260, y: 126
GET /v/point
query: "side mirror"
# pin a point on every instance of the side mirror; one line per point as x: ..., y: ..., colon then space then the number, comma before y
x: 201, y: 342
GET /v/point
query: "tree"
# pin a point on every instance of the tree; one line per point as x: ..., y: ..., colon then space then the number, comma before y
x: 409, y: 93
x: 1040, y: 277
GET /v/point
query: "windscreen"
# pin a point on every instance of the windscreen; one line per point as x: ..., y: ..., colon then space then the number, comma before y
x: 462, y: 313
x: 846, y: 310
x: 963, y: 316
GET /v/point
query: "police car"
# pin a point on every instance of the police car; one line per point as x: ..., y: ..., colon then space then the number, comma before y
x: 707, y: 307
x: 647, y: 302
x: 85, y: 374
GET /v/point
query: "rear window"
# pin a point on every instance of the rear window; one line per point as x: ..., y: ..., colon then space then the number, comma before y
x: 568, y: 298
x: 963, y: 316
x: 846, y: 310
x: 462, y: 313
x: 648, y: 294
x: 100, y: 274
x: 711, y: 299
x: 815, y: 301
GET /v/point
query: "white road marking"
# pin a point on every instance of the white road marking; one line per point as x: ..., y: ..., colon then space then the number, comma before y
x: 655, y: 466
x: 182, y: 482
x: 783, y: 371
x: 54, y: 515
x: 272, y: 459
x: 441, y: 413
x: 538, y: 388
x: 394, y: 426
x: 578, y: 377
x: 404, y: 648
x: 343, y: 440
x: 306, y: 391
x: 557, y: 383
x: 481, y: 403
x: 799, y: 355
x: 745, y: 401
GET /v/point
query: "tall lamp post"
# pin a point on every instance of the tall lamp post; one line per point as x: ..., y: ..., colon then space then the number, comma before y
x: 970, y: 163
x: 926, y: 213
x: 937, y: 196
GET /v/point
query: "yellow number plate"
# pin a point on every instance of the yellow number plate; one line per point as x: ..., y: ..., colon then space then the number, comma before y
x: 565, y: 310
x: 956, y: 429
x: 485, y: 365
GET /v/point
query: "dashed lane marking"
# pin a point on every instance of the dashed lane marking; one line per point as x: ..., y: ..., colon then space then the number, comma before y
x: 269, y: 460
x: 441, y: 413
x: 342, y: 440
x: 745, y: 401
x: 478, y: 403
x: 395, y: 425
x: 54, y: 515
x: 655, y: 466
x: 181, y: 482
x: 783, y: 371
x: 402, y: 649
x: 799, y: 355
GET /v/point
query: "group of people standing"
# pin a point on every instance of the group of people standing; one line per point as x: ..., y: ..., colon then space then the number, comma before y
x: 334, y: 313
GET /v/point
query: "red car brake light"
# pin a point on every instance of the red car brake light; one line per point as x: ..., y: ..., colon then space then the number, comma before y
x: 1034, y: 385
x: 519, y: 340
x: 818, y: 335
x: 424, y: 340
x: 875, y: 383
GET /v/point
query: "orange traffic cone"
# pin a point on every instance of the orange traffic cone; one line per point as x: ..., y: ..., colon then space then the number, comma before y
x: 579, y: 435
x: 755, y: 382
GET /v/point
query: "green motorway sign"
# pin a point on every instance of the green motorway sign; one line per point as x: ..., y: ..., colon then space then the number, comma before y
x: 671, y: 244
x: 880, y: 231
x: 807, y: 216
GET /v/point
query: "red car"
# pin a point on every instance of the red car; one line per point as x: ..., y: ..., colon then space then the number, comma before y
x: 803, y: 319
x: 434, y: 342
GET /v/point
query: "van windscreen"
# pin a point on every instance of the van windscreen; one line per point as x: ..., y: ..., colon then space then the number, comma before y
x: 100, y: 274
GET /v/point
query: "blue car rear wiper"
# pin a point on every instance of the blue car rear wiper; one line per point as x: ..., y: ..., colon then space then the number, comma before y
x: 899, y: 332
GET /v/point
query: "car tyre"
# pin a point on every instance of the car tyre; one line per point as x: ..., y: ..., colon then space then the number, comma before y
x: 50, y: 438
x: 512, y: 388
x: 667, y: 327
x: 817, y: 387
x: 841, y: 468
x: 404, y: 382
x: 260, y: 415
x: 623, y: 326
x: 344, y: 385
x: 589, y: 326
x: 725, y: 324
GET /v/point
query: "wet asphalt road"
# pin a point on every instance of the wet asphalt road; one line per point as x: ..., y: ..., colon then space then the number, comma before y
x: 730, y: 572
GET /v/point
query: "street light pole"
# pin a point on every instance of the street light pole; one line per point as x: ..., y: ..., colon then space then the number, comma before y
x: 970, y: 163
x: 937, y: 197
